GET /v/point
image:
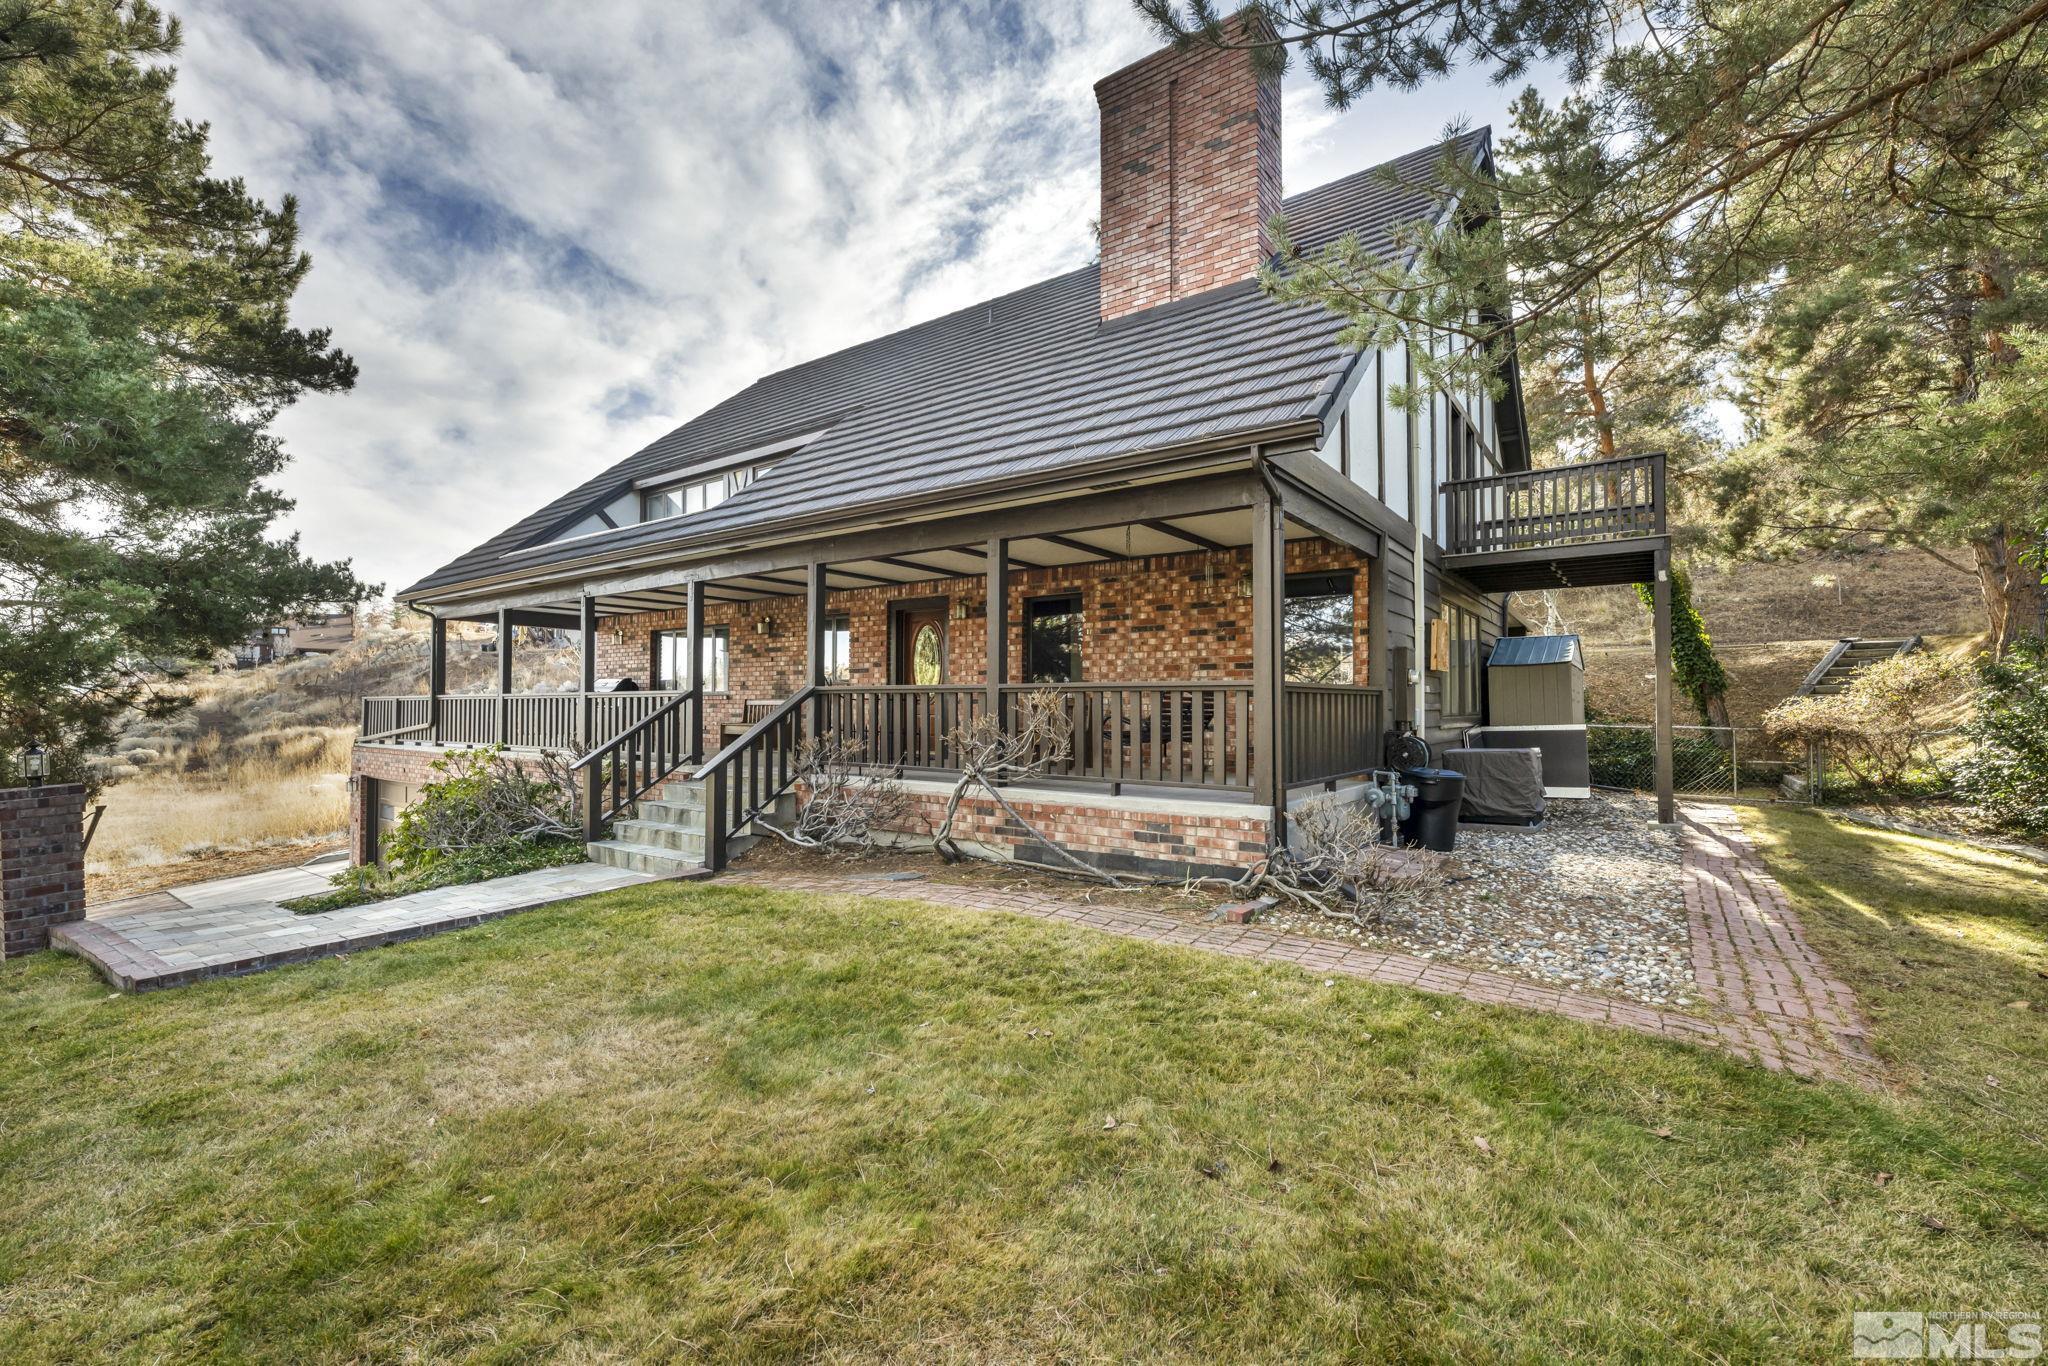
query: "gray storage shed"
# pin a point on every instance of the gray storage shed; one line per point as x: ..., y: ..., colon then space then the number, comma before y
x: 1536, y: 681
x: 1536, y: 699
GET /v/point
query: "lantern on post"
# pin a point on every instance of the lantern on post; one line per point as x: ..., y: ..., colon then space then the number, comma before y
x: 35, y: 765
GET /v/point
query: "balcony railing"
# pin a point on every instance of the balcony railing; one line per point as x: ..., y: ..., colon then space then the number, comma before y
x: 1602, y: 500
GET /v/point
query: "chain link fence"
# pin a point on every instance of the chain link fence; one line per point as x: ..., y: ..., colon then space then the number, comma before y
x: 1720, y: 761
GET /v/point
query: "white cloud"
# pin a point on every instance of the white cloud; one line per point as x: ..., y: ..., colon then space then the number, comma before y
x: 550, y: 233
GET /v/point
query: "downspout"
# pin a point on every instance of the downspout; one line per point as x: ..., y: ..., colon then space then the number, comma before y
x: 1418, y: 668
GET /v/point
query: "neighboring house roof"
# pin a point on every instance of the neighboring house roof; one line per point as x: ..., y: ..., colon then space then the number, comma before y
x: 1016, y: 387
x: 1516, y: 651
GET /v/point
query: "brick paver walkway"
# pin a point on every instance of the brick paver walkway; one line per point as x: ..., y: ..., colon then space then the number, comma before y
x: 1755, y: 965
x: 235, y: 925
x: 1750, y: 956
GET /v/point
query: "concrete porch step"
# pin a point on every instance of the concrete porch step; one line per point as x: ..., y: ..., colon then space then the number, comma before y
x: 666, y: 812
x: 655, y: 834
x: 652, y: 860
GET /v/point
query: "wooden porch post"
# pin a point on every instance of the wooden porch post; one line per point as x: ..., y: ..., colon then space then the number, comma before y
x: 1667, y: 805
x: 1269, y: 589
x: 814, y: 638
x: 997, y: 612
x: 814, y: 624
x: 693, y: 668
x: 437, y: 673
x: 587, y: 624
x: 504, y: 676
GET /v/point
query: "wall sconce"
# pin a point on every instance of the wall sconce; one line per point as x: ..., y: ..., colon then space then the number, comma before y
x: 1244, y: 586
x: 618, y: 635
x: 764, y: 626
x: 959, y: 609
x: 35, y: 765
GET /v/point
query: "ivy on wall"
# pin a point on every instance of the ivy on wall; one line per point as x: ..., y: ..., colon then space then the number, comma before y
x: 1694, y: 668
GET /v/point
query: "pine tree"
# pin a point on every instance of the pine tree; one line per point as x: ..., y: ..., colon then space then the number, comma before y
x: 145, y: 347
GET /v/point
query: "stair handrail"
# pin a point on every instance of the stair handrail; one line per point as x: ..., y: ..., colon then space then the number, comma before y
x: 635, y: 769
x: 717, y: 773
x: 1827, y: 661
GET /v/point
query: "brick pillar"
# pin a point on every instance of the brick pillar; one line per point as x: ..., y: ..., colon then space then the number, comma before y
x: 42, y: 863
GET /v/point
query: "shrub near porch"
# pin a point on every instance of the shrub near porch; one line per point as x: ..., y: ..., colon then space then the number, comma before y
x: 711, y: 1121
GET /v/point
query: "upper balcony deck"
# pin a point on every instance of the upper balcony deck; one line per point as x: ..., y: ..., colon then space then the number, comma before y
x: 1572, y: 526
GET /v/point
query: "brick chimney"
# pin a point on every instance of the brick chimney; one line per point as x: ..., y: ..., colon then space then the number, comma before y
x: 1190, y: 174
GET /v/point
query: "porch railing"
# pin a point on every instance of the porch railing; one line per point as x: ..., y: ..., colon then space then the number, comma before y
x: 1601, y: 500
x: 534, y: 720
x: 1158, y: 734
x: 901, y: 727
x: 746, y: 777
x: 1332, y: 731
x: 396, y: 718
x: 627, y: 766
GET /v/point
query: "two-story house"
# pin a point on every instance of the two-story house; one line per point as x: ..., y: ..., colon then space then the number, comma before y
x: 1141, y: 483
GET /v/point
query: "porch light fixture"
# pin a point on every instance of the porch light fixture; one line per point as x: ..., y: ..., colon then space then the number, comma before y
x: 764, y: 626
x: 1244, y: 586
x: 35, y: 765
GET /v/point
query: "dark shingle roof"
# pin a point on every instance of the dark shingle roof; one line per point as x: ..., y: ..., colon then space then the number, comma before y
x: 1020, y: 385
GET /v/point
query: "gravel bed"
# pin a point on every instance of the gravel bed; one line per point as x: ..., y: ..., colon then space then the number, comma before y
x: 1593, y: 901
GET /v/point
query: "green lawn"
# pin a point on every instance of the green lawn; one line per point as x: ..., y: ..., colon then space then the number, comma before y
x: 685, y: 1120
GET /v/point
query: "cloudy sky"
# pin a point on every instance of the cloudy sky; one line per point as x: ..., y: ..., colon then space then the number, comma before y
x: 549, y: 233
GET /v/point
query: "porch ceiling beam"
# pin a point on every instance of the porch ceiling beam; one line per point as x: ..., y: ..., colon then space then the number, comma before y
x: 1069, y: 543
x: 935, y: 570
x: 1089, y: 511
x: 1166, y: 528
x: 830, y: 569
x: 1014, y: 562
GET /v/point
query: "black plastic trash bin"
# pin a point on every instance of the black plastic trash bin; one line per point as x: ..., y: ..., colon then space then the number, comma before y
x: 1432, y: 819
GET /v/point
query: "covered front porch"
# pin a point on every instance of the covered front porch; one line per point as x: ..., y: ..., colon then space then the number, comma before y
x: 1219, y: 639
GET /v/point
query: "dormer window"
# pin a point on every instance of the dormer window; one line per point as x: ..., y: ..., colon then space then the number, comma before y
x: 696, y: 495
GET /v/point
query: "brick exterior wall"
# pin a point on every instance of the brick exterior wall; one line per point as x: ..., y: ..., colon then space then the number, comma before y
x: 369, y: 764
x: 1099, y: 831
x: 1190, y: 175
x: 1158, y: 618
x: 42, y: 864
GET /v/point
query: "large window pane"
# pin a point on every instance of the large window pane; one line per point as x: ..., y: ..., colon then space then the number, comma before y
x: 672, y: 653
x: 838, y: 646
x: 1052, y: 639
x: 1317, y: 628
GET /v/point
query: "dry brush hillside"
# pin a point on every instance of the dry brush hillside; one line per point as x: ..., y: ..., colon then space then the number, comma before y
x: 1770, y: 623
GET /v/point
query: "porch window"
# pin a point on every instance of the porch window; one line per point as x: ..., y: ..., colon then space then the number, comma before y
x: 1052, y: 639
x: 1317, y: 627
x: 838, y: 650
x: 672, y: 654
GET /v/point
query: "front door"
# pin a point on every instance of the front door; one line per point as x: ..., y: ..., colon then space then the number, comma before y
x: 918, y: 721
x: 920, y: 646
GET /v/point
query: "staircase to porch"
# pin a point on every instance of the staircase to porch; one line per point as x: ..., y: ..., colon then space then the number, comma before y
x: 666, y: 835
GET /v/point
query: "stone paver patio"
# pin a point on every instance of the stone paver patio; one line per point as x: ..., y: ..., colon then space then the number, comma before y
x: 235, y: 925
x: 1782, y: 1009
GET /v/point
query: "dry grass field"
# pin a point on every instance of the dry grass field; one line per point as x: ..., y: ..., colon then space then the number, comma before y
x: 259, y: 760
